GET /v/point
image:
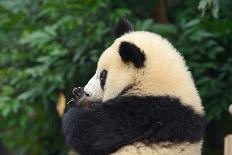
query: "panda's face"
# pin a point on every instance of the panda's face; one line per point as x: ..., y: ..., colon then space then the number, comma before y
x: 112, y: 76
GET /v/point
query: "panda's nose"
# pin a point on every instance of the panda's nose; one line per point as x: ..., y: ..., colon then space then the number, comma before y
x: 86, y: 94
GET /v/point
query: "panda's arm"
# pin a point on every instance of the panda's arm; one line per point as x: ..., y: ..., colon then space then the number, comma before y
x: 104, y: 129
x: 122, y: 121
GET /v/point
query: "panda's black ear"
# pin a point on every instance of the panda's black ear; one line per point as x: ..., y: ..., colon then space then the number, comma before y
x: 123, y: 26
x: 129, y: 52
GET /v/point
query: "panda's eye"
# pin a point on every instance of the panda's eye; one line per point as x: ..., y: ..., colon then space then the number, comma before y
x: 103, y: 76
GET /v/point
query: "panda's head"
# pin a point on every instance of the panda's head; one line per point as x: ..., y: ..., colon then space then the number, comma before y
x: 143, y: 64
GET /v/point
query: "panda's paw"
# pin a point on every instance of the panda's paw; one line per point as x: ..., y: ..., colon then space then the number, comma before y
x: 80, y: 98
x: 78, y: 91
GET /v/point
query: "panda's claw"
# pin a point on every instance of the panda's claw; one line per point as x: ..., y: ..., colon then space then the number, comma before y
x: 71, y: 101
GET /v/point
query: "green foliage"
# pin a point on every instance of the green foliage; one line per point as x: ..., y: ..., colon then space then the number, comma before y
x: 49, y: 46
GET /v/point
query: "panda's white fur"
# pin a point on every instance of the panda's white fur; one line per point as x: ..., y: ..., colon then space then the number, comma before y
x: 158, y: 149
x: 164, y: 74
x: 161, y: 149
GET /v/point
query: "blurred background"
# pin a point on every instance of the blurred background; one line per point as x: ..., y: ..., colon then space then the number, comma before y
x: 47, y: 47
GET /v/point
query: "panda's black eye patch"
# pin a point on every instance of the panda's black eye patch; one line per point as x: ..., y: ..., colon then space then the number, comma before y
x: 103, y: 76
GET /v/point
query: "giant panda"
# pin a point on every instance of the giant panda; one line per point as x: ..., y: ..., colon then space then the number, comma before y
x: 144, y: 101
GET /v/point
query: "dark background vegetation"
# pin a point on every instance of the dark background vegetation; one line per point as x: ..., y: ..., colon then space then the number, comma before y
x: 49, y: 46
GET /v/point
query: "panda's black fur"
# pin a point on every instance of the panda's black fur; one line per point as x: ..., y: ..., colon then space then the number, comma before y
x: 106, y: 127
